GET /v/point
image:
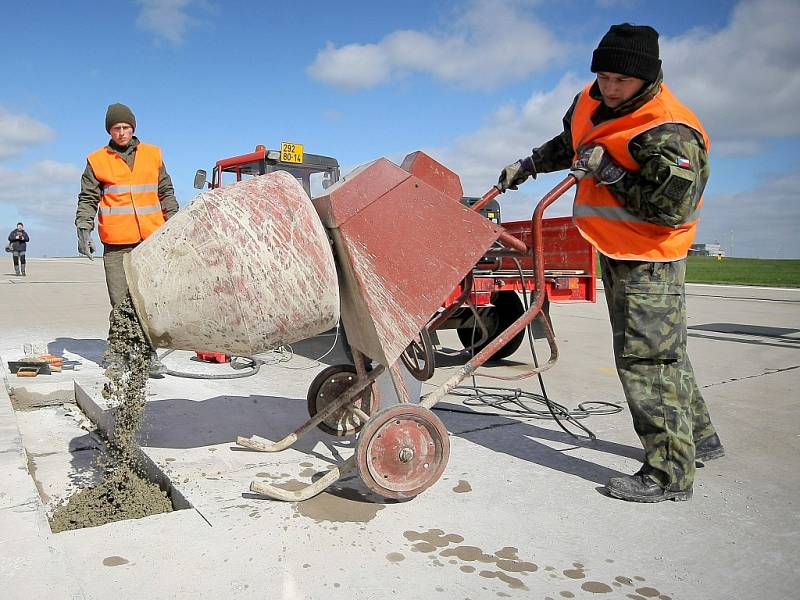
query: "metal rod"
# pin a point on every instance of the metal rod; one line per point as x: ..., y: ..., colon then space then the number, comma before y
x: 515, y: 243
x: 481, y: 325
x: 359, y: 360
x: 434, y: 324
x: 485, y: 199
x: 527, y: 317
x: 399, y: 383
x: 263, y: 445
x: 309, y: 491
x: 364, y: 417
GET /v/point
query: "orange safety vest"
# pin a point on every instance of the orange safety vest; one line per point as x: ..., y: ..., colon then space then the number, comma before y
x: 598, y: 214
x: 129, y: 206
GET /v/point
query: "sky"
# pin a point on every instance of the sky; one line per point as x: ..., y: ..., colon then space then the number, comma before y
x: 475, y: 84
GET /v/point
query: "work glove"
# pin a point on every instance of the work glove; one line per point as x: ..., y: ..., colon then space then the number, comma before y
x: 516, y: 174
x: 594, y: 160
x: 85, y: 245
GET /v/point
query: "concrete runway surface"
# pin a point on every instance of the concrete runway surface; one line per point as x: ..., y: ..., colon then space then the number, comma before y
x: 518, y: 513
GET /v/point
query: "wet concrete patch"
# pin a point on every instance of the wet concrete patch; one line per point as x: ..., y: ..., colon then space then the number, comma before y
x: 462, y: 487
x: 339, y: 504
x: 575, y: 573
x: 505, y: 559
x: 32, y: 396
x: 125, y: 492
x: 596, y: 587
x: 511, y: 569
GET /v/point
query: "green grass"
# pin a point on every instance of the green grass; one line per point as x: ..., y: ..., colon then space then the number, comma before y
x: 742, y: 271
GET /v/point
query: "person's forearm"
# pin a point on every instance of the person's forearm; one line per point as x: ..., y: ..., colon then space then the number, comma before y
x: 166, y: 193
x: 88, y: 200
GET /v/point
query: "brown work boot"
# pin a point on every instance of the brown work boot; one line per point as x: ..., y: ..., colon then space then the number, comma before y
x: 708, y: 448
x: 642, y: 488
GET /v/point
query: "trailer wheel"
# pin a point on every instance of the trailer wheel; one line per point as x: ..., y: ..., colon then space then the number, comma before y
x: 402, y: 451
x: 507, y: 309
x: 327, y: 387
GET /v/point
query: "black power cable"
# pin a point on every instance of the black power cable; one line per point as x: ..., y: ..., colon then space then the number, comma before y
x: 517, y: 401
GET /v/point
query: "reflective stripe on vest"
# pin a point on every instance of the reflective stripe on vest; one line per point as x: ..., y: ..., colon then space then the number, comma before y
x: 130, y: 210
x: 129, y: 189
x: 616, y: 213
x: 598, y: 214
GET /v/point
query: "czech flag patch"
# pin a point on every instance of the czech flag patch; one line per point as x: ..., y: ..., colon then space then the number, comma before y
x: 684, y: 163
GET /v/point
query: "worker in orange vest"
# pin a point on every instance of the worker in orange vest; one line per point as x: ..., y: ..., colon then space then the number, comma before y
x: 126, y: 186
x: 644, y: 157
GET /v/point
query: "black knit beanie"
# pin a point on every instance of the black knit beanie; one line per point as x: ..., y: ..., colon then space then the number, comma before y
x: 119, y: 113
x: 628, y: 50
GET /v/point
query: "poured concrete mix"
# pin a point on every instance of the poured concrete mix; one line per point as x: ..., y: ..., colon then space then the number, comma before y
x: 124, y: 493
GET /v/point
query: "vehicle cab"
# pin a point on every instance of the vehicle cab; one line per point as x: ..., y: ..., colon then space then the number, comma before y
x: 314, y: 172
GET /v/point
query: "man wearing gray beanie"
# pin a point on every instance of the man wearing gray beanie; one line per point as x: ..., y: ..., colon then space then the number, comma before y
x: 642, y: 158
x: 127, y: 187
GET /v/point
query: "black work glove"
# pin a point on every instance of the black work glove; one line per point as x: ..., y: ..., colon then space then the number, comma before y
x: 516, y: 174
x: 85, y: 244
x: 594, y: 160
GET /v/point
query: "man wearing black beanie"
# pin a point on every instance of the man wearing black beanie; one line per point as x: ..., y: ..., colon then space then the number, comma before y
x: 127, y: 187
x: 643, y: 160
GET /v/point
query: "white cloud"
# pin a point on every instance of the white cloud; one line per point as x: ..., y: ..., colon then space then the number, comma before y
x: 166, y: 19
x: 18, y: 131
x: 44, y: 196
x: 491, y: 42
x: 508, y: 134
x: 761, y: 222
x: 351, y: 66
x: 743, y: 81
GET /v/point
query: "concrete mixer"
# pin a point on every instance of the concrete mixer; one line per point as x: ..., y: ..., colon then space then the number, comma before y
x: 248, y: 267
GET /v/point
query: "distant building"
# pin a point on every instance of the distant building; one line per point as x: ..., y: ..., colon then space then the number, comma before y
x: 706, y: 250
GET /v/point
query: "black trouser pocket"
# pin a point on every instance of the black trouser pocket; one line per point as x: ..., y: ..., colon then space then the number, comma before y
x: 655, y: 321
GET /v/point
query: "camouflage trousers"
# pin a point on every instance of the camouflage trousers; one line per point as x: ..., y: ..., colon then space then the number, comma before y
x: 647, y: 307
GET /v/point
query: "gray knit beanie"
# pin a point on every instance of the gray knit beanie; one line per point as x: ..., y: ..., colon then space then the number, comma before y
x: 119, y: 113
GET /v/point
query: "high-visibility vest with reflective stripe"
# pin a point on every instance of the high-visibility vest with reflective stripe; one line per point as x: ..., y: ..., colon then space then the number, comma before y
x: 598, y: 214
x: 129, y: 208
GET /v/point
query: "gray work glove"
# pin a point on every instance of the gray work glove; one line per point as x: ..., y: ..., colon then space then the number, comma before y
x: 594, y: 160
x: 516, y: 174
x: 85, y: 244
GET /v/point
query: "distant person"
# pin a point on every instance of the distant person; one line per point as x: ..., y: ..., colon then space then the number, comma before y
x: 18, y: 240
x: 645, y: 156
x: 127, y: 184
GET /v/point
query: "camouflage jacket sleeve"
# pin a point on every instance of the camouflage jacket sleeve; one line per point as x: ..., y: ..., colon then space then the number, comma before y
x: 88, y: 199
x: 557, y: 154
x: 673, y: 175
x: 166, y: 193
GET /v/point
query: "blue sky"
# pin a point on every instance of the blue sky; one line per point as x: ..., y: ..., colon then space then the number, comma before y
x: 475, y: 84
